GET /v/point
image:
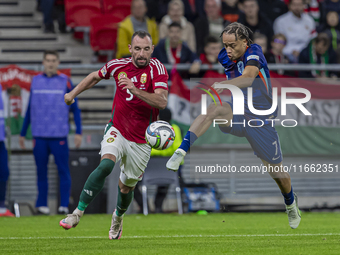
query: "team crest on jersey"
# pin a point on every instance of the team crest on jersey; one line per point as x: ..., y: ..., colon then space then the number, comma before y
x: 103, y: 71
x: 110, y: 140
x: 143, y: 78
x: 240, y: 67
x: 122, y: 75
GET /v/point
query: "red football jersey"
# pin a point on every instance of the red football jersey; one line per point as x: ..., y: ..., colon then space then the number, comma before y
x: 131, y: 115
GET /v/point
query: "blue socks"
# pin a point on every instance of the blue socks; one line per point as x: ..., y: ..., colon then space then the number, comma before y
x: 289, y: 197
x: 188, y: 140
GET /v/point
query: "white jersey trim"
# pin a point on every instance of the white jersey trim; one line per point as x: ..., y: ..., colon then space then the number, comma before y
x: 160, y: 67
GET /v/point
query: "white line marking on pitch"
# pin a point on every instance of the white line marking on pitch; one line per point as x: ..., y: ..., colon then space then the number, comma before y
x: 174, y: 236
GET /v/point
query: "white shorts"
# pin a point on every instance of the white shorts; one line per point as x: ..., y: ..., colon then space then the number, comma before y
x: 134, y: 156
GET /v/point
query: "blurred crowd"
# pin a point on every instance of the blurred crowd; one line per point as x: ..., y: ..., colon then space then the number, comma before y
x: 188, y: 31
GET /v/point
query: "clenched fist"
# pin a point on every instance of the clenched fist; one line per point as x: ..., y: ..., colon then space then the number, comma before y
x: 68, y: 99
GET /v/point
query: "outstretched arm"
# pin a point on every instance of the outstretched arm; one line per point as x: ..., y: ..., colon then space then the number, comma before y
x: 159, y: 99
x: 243, y: 81
x: 87, y: 83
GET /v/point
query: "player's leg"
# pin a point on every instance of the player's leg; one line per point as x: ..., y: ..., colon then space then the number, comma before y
x: 133, y: 164
x: 41, y: 154
x: 282, y: 180
x: 111, y: 151
x: 59, y: 149
x: 266, y: 145
x: 200, y: 125
x: 4, y: 173
x: 126, y: 187
x: 93, y: 185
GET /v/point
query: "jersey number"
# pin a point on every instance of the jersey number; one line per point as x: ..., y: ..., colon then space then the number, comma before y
x: 131, y: 95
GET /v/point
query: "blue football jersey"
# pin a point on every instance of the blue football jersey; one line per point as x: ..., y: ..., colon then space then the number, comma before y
x: 262, y: 88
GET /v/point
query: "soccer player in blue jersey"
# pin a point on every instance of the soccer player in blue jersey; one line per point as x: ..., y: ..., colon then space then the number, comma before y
x: 245, y: 66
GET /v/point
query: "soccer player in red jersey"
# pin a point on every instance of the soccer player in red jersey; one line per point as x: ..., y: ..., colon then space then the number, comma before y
x: 142, y: 89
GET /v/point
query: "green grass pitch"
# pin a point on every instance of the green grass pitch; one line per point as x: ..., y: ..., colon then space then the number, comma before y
x: 228, y: 233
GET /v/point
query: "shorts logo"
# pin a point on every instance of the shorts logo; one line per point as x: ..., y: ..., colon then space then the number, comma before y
x: 103, y: 71
x: 110, y: 140
x: 240, y: 67
x: 143, y: 78
x: 121, y: 75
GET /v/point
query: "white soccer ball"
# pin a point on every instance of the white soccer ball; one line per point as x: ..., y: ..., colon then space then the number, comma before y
x: 160, y: 135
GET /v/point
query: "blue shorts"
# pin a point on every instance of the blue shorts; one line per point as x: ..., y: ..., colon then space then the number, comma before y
x: 264, y: 140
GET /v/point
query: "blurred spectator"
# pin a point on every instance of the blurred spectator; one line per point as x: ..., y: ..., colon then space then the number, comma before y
x: 253, y: 19
x: 136, y: 21
x: 212, y: 47
x: 4, y: 171
x: 49, y: 118
x: 331, y: 5
x: 211, y: 24
x: 298, y: 27
x: 318, y: 52
x: 193, y: 9
x: 312, y: 7
x: 171, y: 50
x: 272, y: 9
x: 332, y: 29
x: 53, y: 9
x: 230, y: 11
x: 157, y: 9
x: 275, y: 54
x: 175, y: 14
x: 261, y: 40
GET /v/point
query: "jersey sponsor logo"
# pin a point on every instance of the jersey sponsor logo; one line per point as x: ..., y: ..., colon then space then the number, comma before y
x: 240, y: 67
x: 122, y: 75
x: 110, y: 140
x: 143, y: 78
x: 253, y: 57
x: 134, y: 79
x: 103, y: 70
x: 161, y: 84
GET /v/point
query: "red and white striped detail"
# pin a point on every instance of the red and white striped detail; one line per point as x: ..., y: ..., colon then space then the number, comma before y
x: 160, y: 67
x: 117, y: 63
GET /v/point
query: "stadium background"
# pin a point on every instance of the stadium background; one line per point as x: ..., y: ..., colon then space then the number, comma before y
x: 23, y: 41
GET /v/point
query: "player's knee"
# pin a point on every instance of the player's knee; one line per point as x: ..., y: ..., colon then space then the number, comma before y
x: 215, y: 111
x: 125, y: 189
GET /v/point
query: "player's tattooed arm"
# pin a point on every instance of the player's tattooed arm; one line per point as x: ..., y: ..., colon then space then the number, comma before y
x: 245, y: 80
x: 87, y: 83
x: 159, y: 99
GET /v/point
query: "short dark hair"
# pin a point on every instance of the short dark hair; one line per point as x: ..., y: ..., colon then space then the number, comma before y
x: 175, y: 24
x: 322, y: 37
x: 259, y: 36
x: 142, y: 34
x: 210, y: 39
x: 51, y: 52
x: 240, y: 31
